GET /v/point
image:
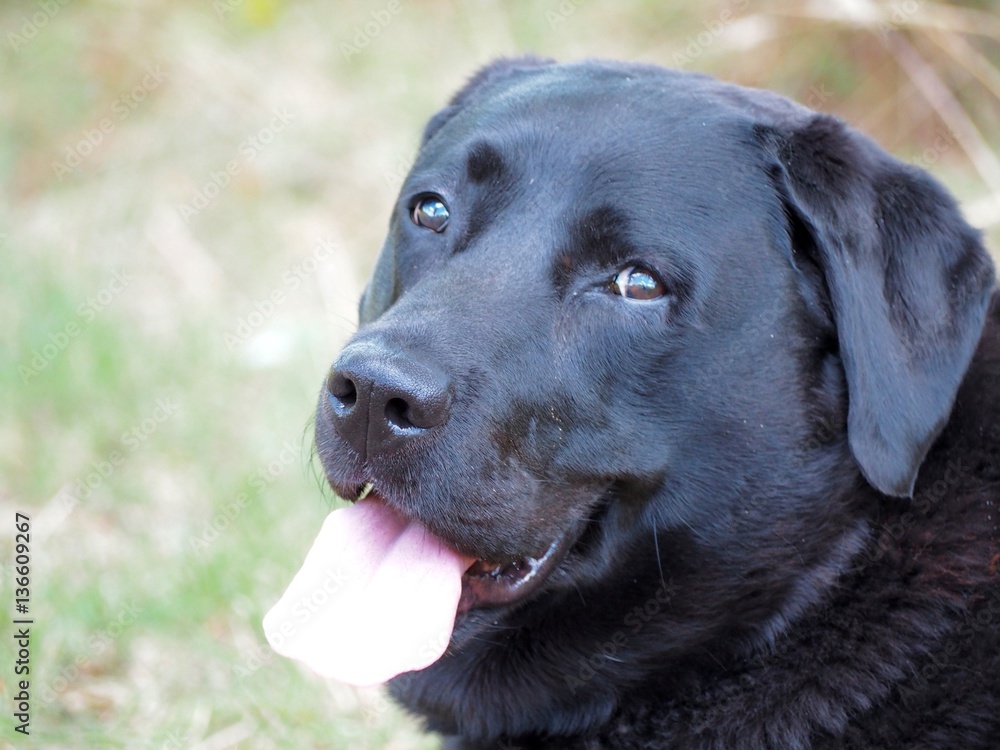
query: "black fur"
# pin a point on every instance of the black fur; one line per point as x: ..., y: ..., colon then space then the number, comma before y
x: 784, y: 475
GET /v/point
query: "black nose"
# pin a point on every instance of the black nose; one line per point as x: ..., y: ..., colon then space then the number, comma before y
x: 382, y: 401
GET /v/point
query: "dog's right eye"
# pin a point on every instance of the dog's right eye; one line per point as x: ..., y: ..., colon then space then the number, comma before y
x: 638, y: 283
x: 430, y: 212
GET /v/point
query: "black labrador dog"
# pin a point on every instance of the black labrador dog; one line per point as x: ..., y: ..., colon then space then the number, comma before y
x: 707, y: 383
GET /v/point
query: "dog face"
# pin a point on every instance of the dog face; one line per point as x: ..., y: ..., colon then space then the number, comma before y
x: 638, y: 337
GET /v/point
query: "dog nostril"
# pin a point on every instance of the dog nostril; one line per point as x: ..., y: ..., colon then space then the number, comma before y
x: 397, y: 414
x: 343, y: 392
x: 378, y: 400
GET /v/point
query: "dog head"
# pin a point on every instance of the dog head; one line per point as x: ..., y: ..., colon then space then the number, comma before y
x: 639, y: 336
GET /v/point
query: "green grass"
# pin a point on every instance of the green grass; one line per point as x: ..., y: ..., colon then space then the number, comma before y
x: 148, y: 627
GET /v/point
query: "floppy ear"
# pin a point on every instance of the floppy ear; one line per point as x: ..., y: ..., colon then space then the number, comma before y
x: 908, y: 281
x: 500, y: 69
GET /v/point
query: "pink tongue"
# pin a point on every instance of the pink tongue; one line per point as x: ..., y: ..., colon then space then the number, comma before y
x: 376, y: 597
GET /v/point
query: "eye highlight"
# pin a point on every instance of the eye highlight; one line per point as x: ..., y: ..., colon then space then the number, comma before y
x: 430, y: 212
x: 638, y: 283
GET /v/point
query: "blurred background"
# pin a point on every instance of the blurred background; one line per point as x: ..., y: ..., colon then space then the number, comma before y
x: 192, y: 196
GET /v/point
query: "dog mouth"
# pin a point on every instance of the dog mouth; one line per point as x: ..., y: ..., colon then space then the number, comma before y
x: 380, y: 592
x: 489, y: 584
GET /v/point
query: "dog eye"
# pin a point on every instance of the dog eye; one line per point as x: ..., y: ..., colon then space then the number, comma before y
x: 636, y: 282
x: 430, y: 212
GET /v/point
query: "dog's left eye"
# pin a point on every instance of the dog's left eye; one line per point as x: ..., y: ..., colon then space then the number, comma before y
x: 638, y: 283
x: 430, y: 212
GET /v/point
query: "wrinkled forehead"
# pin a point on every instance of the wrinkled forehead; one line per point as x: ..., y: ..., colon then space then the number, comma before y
x: 568, y: 144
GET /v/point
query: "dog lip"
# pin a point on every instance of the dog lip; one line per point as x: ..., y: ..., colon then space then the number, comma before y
x: 487, y: 584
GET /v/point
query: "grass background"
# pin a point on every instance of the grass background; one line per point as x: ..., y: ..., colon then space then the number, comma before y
x: 157, y: 431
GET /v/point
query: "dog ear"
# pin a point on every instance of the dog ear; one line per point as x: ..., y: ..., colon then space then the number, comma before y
x: 498, y: 70
x: 908, y: 282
